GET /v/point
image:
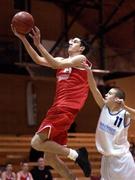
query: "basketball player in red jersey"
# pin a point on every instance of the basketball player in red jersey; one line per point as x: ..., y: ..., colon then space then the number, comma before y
x: 71, y: 93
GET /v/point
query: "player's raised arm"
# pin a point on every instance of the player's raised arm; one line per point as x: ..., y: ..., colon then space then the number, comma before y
x: 131, y: 112
x: 93, y: 87
x: 34, y: 55
x: 75, y: 61
x: 59, y: 62
x: 36, y: 36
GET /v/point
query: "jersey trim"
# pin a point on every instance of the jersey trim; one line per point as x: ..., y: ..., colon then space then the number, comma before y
x: 113, y: 114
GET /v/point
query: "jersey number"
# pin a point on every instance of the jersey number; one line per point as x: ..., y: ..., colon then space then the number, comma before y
x: 118, y: 121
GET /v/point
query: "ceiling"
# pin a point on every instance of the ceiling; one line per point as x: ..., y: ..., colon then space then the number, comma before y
x: 112, y: 22
x: 110, y: 26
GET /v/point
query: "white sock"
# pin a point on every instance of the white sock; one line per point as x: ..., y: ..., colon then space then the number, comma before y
x: 72, y: 154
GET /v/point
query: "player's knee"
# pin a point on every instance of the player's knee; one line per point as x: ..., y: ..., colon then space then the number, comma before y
x: 35, y: 142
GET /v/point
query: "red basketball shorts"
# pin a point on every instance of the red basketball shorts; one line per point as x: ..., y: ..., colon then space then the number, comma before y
x: 58, y: 120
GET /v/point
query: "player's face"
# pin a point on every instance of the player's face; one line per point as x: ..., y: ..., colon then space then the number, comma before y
x: 9, y: 167
x: 110, y: 96
x: 25, y: 166
x: 74, y: 45
x: 41, y: 162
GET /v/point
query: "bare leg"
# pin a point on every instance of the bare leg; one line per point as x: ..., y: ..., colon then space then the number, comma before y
x: 54, y: 161
x: 41, y: 143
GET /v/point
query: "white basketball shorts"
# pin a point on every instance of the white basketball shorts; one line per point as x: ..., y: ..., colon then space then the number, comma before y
x: 118, y: 168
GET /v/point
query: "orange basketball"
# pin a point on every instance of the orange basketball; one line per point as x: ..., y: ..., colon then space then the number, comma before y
x: 23, y: 22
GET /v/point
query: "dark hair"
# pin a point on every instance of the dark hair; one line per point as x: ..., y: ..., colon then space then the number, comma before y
x: 23, y: 162
x: 85, y: 43
x: 120, y: 93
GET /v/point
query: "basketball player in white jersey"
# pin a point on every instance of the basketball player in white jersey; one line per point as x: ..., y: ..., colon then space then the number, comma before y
x: 112, y: 131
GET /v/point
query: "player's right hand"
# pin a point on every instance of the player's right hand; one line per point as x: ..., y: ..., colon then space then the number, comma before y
x: 21, y: 36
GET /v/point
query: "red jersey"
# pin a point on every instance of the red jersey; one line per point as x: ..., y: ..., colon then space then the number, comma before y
x: 71, y: 93
x: 10, y: 176
x: 26, y: 177
x: 71, y: 88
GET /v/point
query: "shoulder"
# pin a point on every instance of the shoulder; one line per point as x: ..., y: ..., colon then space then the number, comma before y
x: 127, y: 114
x: 19, y: 172
x: 77, y: 60
x: 127, y: 118
x: 3, y: 173
x: 104, y: 107
x: 29, y: 173
x: 80, y: 57
x: 13, y: 174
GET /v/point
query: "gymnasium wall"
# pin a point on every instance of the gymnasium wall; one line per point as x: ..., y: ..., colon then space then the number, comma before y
x: 13, y: 104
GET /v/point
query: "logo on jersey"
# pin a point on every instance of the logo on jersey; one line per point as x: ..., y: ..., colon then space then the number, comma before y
x: 64, y: 74
x: 67, y: 70
x: 106, y: 128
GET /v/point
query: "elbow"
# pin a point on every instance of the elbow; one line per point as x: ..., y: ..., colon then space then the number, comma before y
x: 38, y: 62
x: 36, y: 59
x: 55, y: 65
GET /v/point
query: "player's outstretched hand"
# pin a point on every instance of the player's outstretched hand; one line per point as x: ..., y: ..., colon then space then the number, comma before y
x: 35, y: 35
x: 20, y: 36
x: 120, y: 101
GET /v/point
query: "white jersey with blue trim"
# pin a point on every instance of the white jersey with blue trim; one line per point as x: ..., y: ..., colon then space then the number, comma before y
x: 112, y: 132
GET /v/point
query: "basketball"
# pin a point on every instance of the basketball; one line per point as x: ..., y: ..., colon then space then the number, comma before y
x: 23, y: 22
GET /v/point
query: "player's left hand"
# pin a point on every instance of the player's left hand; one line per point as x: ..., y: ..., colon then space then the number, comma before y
x: 86, y: 66
x: 36, y: 36
x: 120, y: 101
